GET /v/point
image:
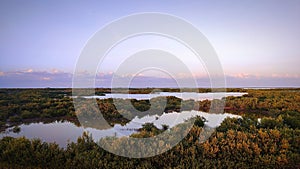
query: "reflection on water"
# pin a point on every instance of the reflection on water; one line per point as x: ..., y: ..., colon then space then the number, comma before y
x: 182, y: 95
x: 62, y: 132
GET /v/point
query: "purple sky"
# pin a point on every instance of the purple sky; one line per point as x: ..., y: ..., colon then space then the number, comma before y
x: 257, y: 41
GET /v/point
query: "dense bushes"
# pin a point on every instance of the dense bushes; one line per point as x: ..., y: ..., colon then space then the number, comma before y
x: 17, y: 105
x: 249, y: 146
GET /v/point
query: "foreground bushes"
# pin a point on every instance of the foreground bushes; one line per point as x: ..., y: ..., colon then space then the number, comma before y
x: 247, y: 146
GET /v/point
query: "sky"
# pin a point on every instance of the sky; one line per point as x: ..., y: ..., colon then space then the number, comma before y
x: 257, y: 41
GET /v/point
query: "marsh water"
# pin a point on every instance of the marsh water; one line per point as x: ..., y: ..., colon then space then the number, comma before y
x: 181, y: 95
x: 63, y: 132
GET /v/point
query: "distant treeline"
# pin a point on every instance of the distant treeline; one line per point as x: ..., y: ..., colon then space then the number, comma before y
x: 54, y: 92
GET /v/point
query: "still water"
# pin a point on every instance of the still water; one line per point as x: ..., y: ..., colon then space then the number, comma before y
x: 64, y: 132
x: 182, y: 95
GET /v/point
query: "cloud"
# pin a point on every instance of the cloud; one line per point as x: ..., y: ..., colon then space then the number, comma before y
x: 57, y: 78
x: 244, y: 76
x: 274, y: 75
x: 280, y: 80
x: 46, y: 78
x: 31, y: 78
x: 28, y: 70
x: 55, y: 71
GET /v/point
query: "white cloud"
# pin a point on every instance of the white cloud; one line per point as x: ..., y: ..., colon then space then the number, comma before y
x: 46, y: 78
x: 285, y: 75
x: 54, y: 71
x: 29, y: 71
